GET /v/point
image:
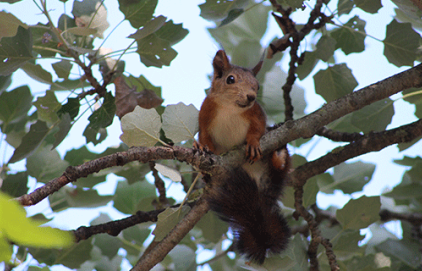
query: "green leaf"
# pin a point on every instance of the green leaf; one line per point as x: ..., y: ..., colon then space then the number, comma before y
x: 169, y: 172
x: 370, y: 6
x: 71, y: 257
x: 94, y: 135
x: 103, y: 116
x: 308, y: 65
x: 246, y: 32
x: 409, y: 161
x: 15, y: 51
x: 216, y: 10
x: 5, y: 82
x: 374, y: 117
x: 36, y: 72
x: 359, y: 213
x: 347, y: 244
x: 334, y: 82
x: 405, y: 192
x: 64, y: 127
x: 62, y: 68
x: 403, y: 250
x: 295, y: 4
x: 414, y: 96
x: 233, y: 14
x: 344, y: 6
x: 180, y: 122
x: 14, y: 105
x: 135, y: 235
x: 138, y: 13
x: 272, y: 95
x: 149, y: 28
x: 310, y: 191
x: 167, y: 220
x: 183, y: 257
x: 79, y: 156
x: 127, y: 198
x: 6, y: 251
x: 407, y: 13
x: 77, y: 198
x: 16, y: 227
x: 141, y: 83
x: 351, y: 37
x: 212, y: 227
x: 31, y: 141
x: 109, y: 245
x: 350, y: 177
x: 343, y: 124
x: 69, y: 84
x: 325, y: 48
x: 45, y: 40
x: 401, y: 44
x: 9, y: 25
x: 141, y: 127
x: 100, y: 119
x: 133, y: 172
x: 155, y: 49
x: 45, y: 164
x: 15, y: 185
x: 47, y: 107
x: 71, y: 107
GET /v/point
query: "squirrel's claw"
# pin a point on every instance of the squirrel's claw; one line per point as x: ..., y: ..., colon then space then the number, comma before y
x: 202, y: 149
x: 253, y: 153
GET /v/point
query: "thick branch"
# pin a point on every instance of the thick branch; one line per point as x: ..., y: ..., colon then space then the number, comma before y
x: 309, y: 125
x: 208, y: 163
x: 158, y: 253
x: 368, y: 143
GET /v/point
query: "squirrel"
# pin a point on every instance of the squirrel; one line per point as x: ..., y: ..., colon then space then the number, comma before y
x: 230, y: 116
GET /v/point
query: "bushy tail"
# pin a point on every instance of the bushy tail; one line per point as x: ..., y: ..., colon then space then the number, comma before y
x: 258, y: 226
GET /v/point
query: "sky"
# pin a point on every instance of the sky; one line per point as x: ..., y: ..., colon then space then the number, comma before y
x: 187, y: 78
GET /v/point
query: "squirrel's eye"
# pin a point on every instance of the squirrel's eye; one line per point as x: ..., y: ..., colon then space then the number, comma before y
x: 230, y: 79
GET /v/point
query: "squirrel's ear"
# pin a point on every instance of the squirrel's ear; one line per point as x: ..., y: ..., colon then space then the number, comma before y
x: 220, y: 63
x: 258, y: 66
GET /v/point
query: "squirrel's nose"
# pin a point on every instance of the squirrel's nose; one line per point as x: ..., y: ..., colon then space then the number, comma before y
x: 251, y: 97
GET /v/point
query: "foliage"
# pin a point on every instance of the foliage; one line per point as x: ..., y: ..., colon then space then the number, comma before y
x: 68, y: 56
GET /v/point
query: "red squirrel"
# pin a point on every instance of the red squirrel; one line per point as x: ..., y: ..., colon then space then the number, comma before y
x: 230, y: 116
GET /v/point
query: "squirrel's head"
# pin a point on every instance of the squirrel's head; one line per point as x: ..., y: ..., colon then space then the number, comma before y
x: 232, y: 83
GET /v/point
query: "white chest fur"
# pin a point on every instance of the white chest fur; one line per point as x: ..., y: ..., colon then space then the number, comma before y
x: 228, y: 128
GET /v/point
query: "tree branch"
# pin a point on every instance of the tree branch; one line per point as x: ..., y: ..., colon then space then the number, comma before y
x: 413, y: 218
x: 159, y: 251
x: 338, y: 136
x: 115, y: 227
x: 159, y: 184
x: 368, y: 143
x: 205, y: 162
x: 309, y: 125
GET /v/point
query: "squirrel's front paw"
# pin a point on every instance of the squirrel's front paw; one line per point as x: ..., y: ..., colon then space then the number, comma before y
x: 253, y: 152
x: 203, y: 149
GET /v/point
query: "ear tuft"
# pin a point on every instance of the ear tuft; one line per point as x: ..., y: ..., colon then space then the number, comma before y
x: 258, y: 66
x: 220, y: 63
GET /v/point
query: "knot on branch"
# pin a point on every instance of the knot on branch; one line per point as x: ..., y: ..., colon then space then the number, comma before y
x: 71, y: 173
